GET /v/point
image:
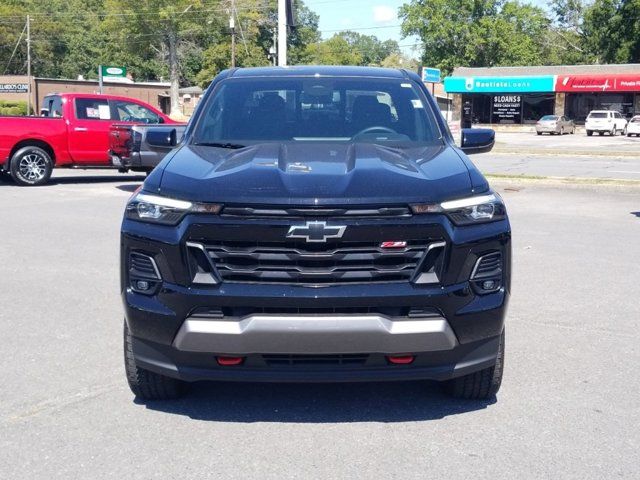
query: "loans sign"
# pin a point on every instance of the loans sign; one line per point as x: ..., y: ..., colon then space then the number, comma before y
x: 542, y: 83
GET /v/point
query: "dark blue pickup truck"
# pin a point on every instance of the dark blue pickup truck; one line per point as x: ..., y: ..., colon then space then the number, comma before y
x: 316, y: 224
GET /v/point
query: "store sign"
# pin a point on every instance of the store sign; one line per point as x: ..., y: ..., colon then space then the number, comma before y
x: 598, y: 83
x: 543, y: 83
x: 507, y: 108
x: 430, y: 75
x: 14, y: 88
x: 107, y: 71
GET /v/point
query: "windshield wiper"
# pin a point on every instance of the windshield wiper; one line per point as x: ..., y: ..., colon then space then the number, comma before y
x: 232, y: 146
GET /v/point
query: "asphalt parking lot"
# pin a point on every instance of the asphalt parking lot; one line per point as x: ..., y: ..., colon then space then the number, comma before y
x: 569, y: 405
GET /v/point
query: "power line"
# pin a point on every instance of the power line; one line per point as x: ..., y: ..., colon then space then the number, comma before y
x: 15, y: 49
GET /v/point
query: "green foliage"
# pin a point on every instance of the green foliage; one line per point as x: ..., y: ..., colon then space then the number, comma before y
x: 13, y: 107
x: 477, y: 32
x: 334, y: 51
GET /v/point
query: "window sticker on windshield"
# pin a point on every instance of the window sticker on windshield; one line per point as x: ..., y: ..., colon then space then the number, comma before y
x: 417, y: 103
x: 405, y: 85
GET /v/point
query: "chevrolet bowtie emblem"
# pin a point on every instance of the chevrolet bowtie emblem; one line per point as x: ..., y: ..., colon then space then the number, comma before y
x: 316, y: 231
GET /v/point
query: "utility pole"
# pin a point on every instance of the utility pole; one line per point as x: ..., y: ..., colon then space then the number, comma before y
x: 28, y: 65
x: 282, y: 33
x: 232, y: 26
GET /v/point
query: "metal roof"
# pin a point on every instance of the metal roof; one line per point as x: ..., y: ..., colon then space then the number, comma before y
x: 546, y: 70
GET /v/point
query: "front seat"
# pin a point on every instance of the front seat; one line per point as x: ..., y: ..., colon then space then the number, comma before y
x: 369, y: 112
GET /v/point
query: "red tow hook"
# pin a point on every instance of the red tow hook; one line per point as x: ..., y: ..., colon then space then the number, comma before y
x: 229, y: 361
x: 401, y: 359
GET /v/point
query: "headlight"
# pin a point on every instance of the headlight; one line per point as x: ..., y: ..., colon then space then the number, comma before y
x: 468, y: 211
x: 145, y: 207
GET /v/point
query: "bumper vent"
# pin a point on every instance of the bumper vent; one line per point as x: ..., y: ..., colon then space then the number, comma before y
x: 487, y: 273
x: 309, y: 360
x: 143, y: 266
x: 315, y: 264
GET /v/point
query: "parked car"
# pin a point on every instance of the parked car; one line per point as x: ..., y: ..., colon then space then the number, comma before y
x: 633, y: 127
x: 141, y: 147
x: 279, y: 243
x: 555, y: 124
x: 74, y: 133
x: 605, y: 121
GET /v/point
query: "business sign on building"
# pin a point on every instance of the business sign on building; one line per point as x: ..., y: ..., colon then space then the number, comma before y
x: 506, y: 109
x: 14, y: 88
x: 543, y: 83
x: 598, y: 83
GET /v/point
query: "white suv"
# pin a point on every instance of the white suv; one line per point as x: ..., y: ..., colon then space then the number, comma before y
x: 602, y: 121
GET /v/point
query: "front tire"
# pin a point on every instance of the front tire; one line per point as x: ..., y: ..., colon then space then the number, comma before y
x: 31, y: 166
x: 148, y: 385
x: 539, y: 133
x: 480, y: 385
x: 589, y: 133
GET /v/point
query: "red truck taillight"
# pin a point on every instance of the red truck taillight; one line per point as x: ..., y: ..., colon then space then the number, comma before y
x: 120, y: 140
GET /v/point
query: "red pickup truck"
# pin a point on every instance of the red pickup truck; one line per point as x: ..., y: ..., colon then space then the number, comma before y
x: 74, y: 133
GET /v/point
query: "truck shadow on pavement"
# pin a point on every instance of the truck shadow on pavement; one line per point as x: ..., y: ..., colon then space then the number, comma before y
x: 385, y: 402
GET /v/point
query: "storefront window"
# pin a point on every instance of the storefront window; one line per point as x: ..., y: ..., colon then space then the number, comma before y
x: 578, y: 105
x: 536, y: 106
x: 510, y: 108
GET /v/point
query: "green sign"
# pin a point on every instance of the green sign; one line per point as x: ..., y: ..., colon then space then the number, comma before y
x: 110, y: 71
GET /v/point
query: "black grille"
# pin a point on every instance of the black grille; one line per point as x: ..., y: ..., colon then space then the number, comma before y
x: 142, y: 266
x: 326, y: 263
x: 243, y: 211
x: 306, y: 360
x: 489, y: 265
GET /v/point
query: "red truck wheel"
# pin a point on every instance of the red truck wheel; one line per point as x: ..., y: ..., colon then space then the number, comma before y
x: 31, y: 166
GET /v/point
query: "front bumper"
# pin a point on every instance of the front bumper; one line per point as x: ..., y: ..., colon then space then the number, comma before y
x: 455, y: 331
x: 314, y: 334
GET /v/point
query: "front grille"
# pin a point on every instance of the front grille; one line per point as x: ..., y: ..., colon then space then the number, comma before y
x: 489, y: 265
x: 314, y: 263
x: 277, y: 211
x: 307, y: 360
x: 239, y: 312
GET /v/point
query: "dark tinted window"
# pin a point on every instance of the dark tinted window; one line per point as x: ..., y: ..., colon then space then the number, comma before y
x: 323, y: 109
x: 549, y: 117
x: 598, y: 115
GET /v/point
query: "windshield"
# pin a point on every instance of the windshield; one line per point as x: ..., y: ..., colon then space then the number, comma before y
x: 249, y: 110
x: 598, y: 115
x: 549, y: 117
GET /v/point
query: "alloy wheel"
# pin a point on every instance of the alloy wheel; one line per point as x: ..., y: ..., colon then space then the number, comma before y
x: 32, y: 167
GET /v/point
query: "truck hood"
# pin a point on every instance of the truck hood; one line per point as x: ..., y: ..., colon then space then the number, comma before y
x: 316, y: 174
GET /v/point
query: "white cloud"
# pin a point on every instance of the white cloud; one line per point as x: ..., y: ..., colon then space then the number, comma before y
x: 384, y: 14
x: 346, y: 22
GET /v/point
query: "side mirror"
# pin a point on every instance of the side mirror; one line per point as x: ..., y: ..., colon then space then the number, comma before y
x: 477, y: 140
x: 162, y: 137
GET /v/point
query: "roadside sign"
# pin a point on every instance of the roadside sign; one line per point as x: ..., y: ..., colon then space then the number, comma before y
x: 430, y: 75
x: 108, y: 71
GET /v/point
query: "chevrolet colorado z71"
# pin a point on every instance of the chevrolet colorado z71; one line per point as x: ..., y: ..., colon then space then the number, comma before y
x: 316, y: 224
x: 74, y: 134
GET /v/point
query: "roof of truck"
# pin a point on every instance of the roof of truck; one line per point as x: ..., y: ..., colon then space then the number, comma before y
x: 320, y: 70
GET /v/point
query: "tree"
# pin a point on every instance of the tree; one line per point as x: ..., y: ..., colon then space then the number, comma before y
x: 334, y: 51
x: 160, y: 28
x: 398, y: 60
x: 372, y: 50
x: 476, y: 33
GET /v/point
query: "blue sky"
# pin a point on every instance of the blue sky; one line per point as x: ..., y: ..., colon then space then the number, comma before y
x: 369, y: 17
